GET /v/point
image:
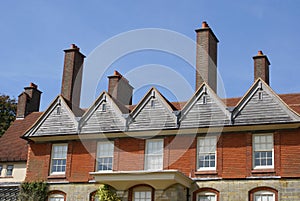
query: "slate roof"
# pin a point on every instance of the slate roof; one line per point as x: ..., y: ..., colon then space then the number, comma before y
x: 292, y: 100
x: 12, y: 147
x: 9, y: 193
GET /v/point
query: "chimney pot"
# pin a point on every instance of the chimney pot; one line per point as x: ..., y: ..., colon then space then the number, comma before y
x: 204, y: 24
x: 32, y: 85
x: 260, y: 53
x: 116, y: 73
x: 73, y: 46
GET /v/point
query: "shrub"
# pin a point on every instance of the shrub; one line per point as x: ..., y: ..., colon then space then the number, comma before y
x: 104, y: 193
x: 33, y: 191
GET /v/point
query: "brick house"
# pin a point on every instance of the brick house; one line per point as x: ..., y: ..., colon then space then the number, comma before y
x: 207, y: 148
x: 13, y: 149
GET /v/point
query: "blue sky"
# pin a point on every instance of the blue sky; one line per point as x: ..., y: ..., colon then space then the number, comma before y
x: 35, y: 33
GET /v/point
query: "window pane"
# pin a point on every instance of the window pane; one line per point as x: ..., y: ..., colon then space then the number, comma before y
x: 154, y: 155
x: 59, y: 158
x: 206, y: 198
x: 142, y: 196
x: 56, y: 197
x: 263, y: 150
x: 9, y: 170
x: 263, y: 142
x: 264, y: 197
x: 207, y: 152
x: 263, y: 158
x: 105, y: 156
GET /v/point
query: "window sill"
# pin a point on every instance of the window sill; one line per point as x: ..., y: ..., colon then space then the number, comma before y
x: 207, y: 172
x: 7, y: 177
x: 56, y: 176
x: 259, y: 171
x: 104, y: 171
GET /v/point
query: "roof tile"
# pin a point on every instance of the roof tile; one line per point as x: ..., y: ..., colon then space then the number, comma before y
x: 12, y: 147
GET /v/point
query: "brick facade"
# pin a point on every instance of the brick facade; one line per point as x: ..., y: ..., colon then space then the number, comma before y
x: 234, y: 163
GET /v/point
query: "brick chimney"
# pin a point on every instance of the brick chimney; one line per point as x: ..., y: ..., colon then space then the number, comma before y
x: 120, y: 89
x: 261, y: 67
x: 28, y: 101
x: 72, y: 75
x: 206, y: 57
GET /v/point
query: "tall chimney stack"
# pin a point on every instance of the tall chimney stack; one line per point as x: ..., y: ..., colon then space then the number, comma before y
x: 261, y: 67
x: 28, y: 101
x: 72, y: 76
x: 206, y: 57
x: 120, y: 89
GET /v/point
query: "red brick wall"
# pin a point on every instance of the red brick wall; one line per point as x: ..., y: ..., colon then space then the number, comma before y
x: 129, y: 154
x: 180, y: 154
x: 82, y: 161
x: 290, y: 153
x: 234, y: 156
x: 38, y: 162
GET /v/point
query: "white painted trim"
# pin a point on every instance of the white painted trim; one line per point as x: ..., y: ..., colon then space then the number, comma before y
x: 215, y: 152
x: 253, y: 152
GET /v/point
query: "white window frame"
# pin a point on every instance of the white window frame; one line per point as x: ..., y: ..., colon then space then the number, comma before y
x: 206, y: 193
x: 264, y: 193
x: 149, y: 157
x: 254, y: 150
x: 105, y: 155
x: 142, y: 192
x: 212, y: 152
x: 52, y: 172
x: 12, y: 170
x: 56, y: 197
x: 142, y: 196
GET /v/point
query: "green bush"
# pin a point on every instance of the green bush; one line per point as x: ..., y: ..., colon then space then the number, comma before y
x: 33, y: 191
x: 104, y: 193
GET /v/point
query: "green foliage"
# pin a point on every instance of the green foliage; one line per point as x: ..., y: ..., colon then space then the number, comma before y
x: 33, y: 191
x: 104, y: 193
x: 8, y: 108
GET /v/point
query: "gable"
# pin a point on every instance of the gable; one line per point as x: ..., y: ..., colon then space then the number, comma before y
x: 103, y: 115
x: 204, y: 109
x: 58, y: 119
x: 262, y: 106
x: 153, y: 112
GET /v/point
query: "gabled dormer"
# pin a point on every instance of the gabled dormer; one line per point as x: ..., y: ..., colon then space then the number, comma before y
x: 152, y: 112
x: 261, y: 105
x: 204, y: 109
x: 58, y: 119
x: 103, y: 115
